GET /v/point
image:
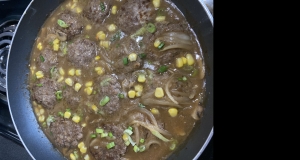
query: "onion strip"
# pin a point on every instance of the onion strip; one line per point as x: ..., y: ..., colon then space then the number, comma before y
x: 168, y: 91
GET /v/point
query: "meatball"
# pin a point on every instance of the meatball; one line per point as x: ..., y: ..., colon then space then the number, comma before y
x: 74, y: 25
x: 97, y: 10
x: 71, y: 97
x: 66, y: 133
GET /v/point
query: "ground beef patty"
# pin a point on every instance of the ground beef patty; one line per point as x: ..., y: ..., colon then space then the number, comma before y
x: 74, y: 25
x: 99, y: 150
x: 47, y: 59
x: 82, y: 52
x: 71, y: 97
x: 44, y: 92
x: 97, y: 10
x: 66, y: 133
x: 133, y: 14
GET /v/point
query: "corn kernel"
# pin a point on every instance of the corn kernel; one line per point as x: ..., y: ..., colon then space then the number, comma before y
x: 154, y: 111
x: 179, y: 62
x: 83, y: 124
x: 60, y: 79
x: 88, y: 27
x: 97, y: 58
x: 132, y: 57
x: 42, y: 111
x: 125, y: 137
x: 41, y: 118
x: 101, y: 35
x: 39, y: 46
x: 69, y: 81
x: 83, y: 150
x: 131, y: 94
x: 67, y: 114
x: 157, y: 43
x: 78, y: 72
x: 61, y: 71
x: 114, y: 9
x: 159, y: 92
x: 183, y: 60
x: 138, y: 87
x: 56, y: 41
x: 76, y: 119
x: 100, y: 71
x: 173, y: 112
x: 75, y: 1
x: 72, y: 156
x: 142, y: 78
x: 88, y: 90
x: 156, y: 3
x: 71, y: 72
x: 80, y: 145
x: 160, y: 18
x: 112, y: 27
x: 105, y: 44
x: 36, y: 110
x: 55, y: 47
x: 138, y: 93
x: 86, y: 157
x: 77, y: 87
x: 190, y: 59
x: 89, y: 84
x: 95, y: 108
x: 73, y: 6
x: 39, y: 74
x: 78, y: 10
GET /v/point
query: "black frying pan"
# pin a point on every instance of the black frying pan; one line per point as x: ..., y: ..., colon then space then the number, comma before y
x: 33, y: 138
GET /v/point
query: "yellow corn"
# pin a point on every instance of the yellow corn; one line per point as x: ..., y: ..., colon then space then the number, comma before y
x: 75, y: 1
x: 86, y: 157
x: 138, y: 93
x: 88, y: 27
x: 36, y: 111
x: 78, y: 10
x: 76, y: 119
x: 60, y: 79
x: 125, y: 137
x: 55, y: 47
x: 97, y: 58
x: 157, y: 43
x: 183, y: 60
x: 78, y: 72
x: 80, y: 145
x: 95, y: 108
x: 88, y: 90
x: 159, y: 92
x: 141, y: 78
x: 131, y: 94
x: 34, y: 103
x: 99, y: 70
x: 101, y: 35
x: 71, y: 72
x: 138, y: 87
x: 67, y: 114
x: 114, y: 9
x: 32, y: 68
x: 69, y: 81
x: 179, y: 62
x: 112, y: 27
x: 61, y: 71
x: 105, y: 44
x: 56, y: 41
x: 156, y: 3
x: 160, y: 18
x: 42, y: 111
x: 89, y: 84
x: 39, y: 46
x: 173, y: 112
x: 83, y: 150
x: 39, y: 74
x: 77, y: 87
x: 154, y: 111
x: 83, y: 124
x: 190, y: 59
x: 132, y: 57
x: 41, y: 118
x: 73, y: 6
x: 72, y: 156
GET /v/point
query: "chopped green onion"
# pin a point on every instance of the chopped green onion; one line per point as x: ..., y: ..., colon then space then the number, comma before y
x: 105, y: 82
x: 130, y: 140
x: 141, y: 105
x: 52, y: 71
x: 61, y: 114
x: 151, y: 27
x: 139, y: 32
x: 58, y: 95
x: 130, y: 128
x: 68, y: 110
x: 49, y: 120
x: 162, y: 69
x: 117, y: 36
x: 62, y: 24
x: 110, y: 145
x: 110, y: 134
x: 136, y: 148
x: 76, y: 154
x: 102, y: 6
x: 44, y: 124
x: 39, y: 85
x: 173, y: 145
x: 93, y: 135
x: 161, y: 45
x: 194, y: 72
x: 104, y: 100
x: 142, y: 55
x: 142, y: 140
x: 128, y: 131
x: 142, y: 148
x: 99, y: 130
x: 125, y: 60
x: 127, y: 143
x: 42, y: 58
x: 87, y: 36
x: 182, y: 78
x: 120, y: 95
x: 104, y: 134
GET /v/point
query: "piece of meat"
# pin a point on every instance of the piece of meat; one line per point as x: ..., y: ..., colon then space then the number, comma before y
x: 94, y: 11
x: 44, y: 92
x: 133, y: 14
x: 82, y: 52
x: 71, y: 97
x: 75, y: 25
x: 99, y: 150
x: 47, y: 60
x: 66, y: 133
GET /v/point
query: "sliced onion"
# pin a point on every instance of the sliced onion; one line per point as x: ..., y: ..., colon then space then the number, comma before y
x: 174, y: 46
x: 168, y: 91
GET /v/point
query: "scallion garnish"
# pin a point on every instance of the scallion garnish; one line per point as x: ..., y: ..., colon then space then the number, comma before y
x: 120, y: 95
x: 128, y: 131
x: 42, y: 58
x: 102, y: 6
x: 99, y: 130
x: 110, y: 145
x: 141, y: 105
x: 60, y: 114
x: 62, y: 24
x: 39, y: 85
x: 93, y: 135
x: 151, y: 27
x: 136, y: 149
x: 142, y: 148
x: 110, y: 134
x: 125, y: 60
x: 59, y: 95
x: 182, y: 78
x: 161, y: 45
x: 142, y: 55
x: 104, y: 100
x: 142, y: 140
x: 104, y: 134
x: 162, y: 69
